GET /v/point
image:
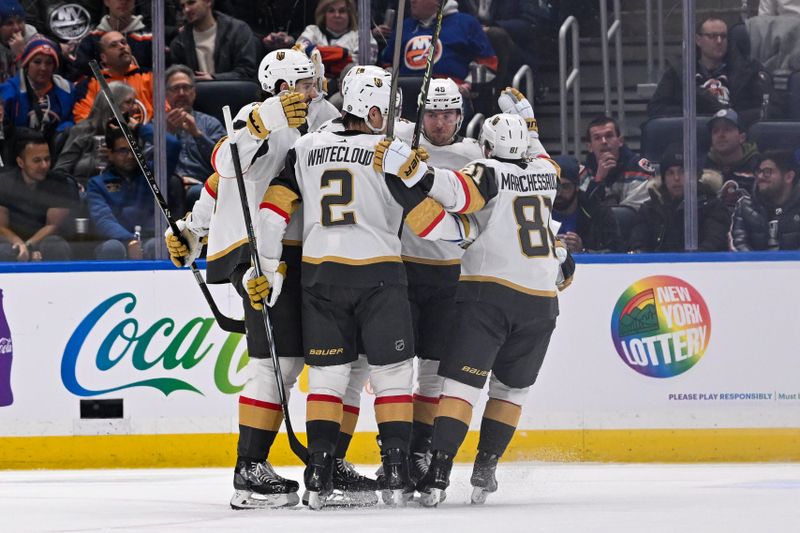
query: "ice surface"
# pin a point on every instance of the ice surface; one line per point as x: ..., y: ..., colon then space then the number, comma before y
x: 532, y: 497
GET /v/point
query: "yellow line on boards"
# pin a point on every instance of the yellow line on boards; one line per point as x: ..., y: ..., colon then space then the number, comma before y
x: 219, y: 449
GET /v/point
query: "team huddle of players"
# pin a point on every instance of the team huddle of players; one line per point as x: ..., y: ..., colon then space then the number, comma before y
x: 373, y: 255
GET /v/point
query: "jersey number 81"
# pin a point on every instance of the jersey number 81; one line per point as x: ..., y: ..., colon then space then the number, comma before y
x: 535, y: 237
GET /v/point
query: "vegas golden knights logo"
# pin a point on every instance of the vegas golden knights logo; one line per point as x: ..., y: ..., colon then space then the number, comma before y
x: 281, y: 55
x: 378, y: 82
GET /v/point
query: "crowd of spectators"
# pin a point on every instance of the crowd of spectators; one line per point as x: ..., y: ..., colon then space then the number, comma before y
x: 67, y: 174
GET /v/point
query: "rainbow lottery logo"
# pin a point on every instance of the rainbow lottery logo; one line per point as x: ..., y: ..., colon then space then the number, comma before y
x: 661, y: 326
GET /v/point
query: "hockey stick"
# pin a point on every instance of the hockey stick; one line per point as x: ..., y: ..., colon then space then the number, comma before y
x: 398, y: 42
x: 226, y: 323
x: 426, y: 79
x: 297, y: 447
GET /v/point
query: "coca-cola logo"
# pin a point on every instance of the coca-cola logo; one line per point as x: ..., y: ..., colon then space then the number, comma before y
x: 5, y: 345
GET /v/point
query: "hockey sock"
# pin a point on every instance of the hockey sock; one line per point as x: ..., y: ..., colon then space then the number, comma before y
x: 500, y: 419
x: 348, y: 427
x: 451, y: 424
x: 323, y: 420
x: 259, y: 422
x: 394, y: 414
x: 424, y: 415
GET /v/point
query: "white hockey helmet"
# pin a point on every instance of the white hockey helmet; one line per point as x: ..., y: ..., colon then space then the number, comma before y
x: 375, y: 71
x: 363, y: 92
x: 286, y: 65
x: 506, y: 136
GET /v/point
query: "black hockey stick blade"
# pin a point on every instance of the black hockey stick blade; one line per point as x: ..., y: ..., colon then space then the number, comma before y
x: 226, y: 323
x: 295, y: 445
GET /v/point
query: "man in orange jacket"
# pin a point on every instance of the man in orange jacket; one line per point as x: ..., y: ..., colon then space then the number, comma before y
x: 120, y: 65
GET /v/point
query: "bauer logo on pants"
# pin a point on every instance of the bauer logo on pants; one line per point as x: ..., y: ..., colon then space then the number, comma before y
x: 661, y: 326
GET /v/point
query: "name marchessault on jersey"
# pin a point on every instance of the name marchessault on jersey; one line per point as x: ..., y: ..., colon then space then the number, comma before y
x: 529, y: 182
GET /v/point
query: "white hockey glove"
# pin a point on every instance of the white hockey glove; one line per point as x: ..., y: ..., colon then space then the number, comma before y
x: 184, y: 249
x: 273, y: 273
x: 397, y: 158
x: 468, y: 228
x: 566, y: 269
x: 514, y: 102
x: 287, y: 110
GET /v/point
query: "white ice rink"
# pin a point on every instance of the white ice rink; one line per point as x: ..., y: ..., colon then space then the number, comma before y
x: 532, y: 497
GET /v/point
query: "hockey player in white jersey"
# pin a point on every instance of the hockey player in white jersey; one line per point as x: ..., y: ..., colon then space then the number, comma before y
x: 266, y: 131
x: 433, y: 267
x: 507, y: 299
x: 354, y: 284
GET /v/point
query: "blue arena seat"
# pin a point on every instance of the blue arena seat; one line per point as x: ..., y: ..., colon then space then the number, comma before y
x: 212, y: 95
x: 411, y: 87
x: 626, y: 217
x: 658, y: 133
x: 773, y: 135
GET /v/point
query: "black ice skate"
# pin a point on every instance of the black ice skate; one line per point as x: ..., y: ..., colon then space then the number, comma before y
x: 419, y: 461
x: 395, y: 483
x: 351, y: 488
x: 318, y: 479
x: 483, y: 477
x: 257, y: 486
x: 432, y: 487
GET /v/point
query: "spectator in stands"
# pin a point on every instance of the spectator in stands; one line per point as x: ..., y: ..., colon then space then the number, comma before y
x: 335, y: 35
x: 659, y: 222
x: 37, y: 97
x: 14, y: 33
x: 729, y: 167
x: 119, y: 199
x: 779, y: 7
x: 613, y: 173
x: 273, y: 18
x: 463, y: 40
x: 82, y: 157
x: 197, y: 132
x: 119, y: 66
x: 120, y: 19
x: 511, y: 26
x: 769, y: 219
x: 36, y: 205
x: 725, y: 79
x: 214, y: 45
x: 586, y: 224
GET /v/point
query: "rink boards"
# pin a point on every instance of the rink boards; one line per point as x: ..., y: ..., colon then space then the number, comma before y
x: 668, y: 358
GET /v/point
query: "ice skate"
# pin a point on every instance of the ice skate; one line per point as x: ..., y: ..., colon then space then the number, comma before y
x: 351, y: 489
x: 396, y: 487
x: 432, y: 487
x: 483, y: 479
x: 318, y: 479
x: 257, y: 486
x: 419, y: 461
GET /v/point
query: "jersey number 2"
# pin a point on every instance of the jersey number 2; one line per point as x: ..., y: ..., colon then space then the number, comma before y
x: 531, y: 222
x: 344, y: 198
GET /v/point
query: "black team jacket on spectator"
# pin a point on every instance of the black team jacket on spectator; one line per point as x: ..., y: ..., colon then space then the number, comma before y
x: 626, y: 184
x: 235, y: 49
x: 659, y: 223
x: 751, y: 219
x: 746, y: 81
x: 741, y: 171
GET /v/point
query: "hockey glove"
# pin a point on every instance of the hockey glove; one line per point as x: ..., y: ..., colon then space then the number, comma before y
x: 397, y: 158
x: 514, y: 102
x: 185, y: 248
x: 423, y: 154
x: 467, y: 227
x: 276, y: 113
x: 258, y: 287
x: 566, y: 269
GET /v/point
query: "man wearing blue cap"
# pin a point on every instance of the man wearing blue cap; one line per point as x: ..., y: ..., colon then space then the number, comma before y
x: 730, y: 164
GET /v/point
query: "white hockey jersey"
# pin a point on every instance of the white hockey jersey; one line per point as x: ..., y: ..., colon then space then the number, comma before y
x: 453, y: 157
x: 350, y: 219
x: 515, y: 249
